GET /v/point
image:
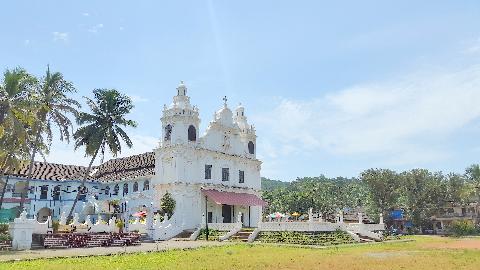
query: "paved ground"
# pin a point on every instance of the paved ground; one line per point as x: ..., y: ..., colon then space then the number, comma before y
x: 75, y: 252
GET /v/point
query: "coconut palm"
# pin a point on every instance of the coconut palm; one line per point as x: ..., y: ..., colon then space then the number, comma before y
x: 54, y: 107
x: 102, y: 128
x: 16, y: 119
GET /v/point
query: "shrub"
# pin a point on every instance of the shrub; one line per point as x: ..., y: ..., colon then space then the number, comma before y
x: 462, y: 228
x: 55, y: 225
x: 5, y: 237
x: 3, y: 228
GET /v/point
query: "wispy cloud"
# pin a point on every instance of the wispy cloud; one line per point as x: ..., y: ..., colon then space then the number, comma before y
x: 60, y: 36
x: 95, y: 28
x: 86, y: 14
x: 404, y: 121
x: 26, y: 42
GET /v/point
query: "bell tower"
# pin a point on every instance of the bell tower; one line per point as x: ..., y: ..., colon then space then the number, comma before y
x: 180, y: 120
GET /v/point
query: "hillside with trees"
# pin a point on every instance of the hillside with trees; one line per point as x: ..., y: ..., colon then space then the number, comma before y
x: 419, y: 192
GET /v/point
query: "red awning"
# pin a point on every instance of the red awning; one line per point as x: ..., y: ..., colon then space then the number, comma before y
x: 232, y: 198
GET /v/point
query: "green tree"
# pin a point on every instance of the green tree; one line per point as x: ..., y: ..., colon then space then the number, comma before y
x: 384, y: 187
x: 167, y: 203
x: 102, y: 128
x: 424, y: 193
x: 473, y: 176
x: 16, y: 119
x: 53, y: 108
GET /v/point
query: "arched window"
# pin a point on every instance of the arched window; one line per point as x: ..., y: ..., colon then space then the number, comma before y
x: 192, y: 133
x: 125, y: 188
x: 168, y: 132
x: 251, y: 147
x: 107, y: 190
x: 56, y: 193
x: 146, y: 185
x: 116, y: 189
x: 135, y: 187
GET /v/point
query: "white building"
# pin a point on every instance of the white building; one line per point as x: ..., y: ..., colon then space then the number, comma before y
x: 216, y: 173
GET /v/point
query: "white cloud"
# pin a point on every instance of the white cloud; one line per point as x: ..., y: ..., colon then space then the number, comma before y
x: 121, y: 28
x: 26, y: 42
x: 60, y: 36
x: 394, y: 121
x: 86, y: 14
x: 95, y: 28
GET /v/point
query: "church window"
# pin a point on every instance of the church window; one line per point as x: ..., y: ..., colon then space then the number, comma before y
x: 208, y: 171
x: 125, y: 188
x: 116, y: 189
x: 241, y: 177
x: 135, y: 187
x: 225, y: 174
x: 43, y: 192
x: 107, y: 190
x: 251, y: 147
x: 56, y: 193
x: 146, y: 185
x: 83, y: 193
x: 192, y: 133
x: 168, y: 132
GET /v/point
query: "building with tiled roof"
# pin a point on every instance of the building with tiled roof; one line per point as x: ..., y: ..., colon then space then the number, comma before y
x: 214, y: 176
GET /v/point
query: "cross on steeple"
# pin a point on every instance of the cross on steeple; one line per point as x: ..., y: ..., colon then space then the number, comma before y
x: 225, y: 101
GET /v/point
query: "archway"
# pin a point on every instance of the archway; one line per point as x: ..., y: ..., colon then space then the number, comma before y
x: 43, y: 214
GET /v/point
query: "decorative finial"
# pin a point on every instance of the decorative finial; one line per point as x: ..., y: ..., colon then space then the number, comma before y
x: 225, y: 101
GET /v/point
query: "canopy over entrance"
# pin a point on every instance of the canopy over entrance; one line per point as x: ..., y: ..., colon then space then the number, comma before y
x: 233, y: 198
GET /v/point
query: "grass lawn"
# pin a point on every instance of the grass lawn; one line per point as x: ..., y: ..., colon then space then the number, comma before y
x: 425, y: 253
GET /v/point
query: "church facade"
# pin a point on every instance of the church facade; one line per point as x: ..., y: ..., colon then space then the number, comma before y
x: 212, y: 176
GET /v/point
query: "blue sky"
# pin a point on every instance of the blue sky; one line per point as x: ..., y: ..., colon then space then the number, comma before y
x: 333, y: 88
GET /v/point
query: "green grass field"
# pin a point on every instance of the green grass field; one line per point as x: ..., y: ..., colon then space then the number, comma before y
x: 425, y: 253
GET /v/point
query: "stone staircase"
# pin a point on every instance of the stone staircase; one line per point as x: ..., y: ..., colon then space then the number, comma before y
x: 183, y: 236
x: 242, y: 235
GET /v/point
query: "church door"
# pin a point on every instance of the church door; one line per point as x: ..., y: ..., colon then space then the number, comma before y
x: 227, y: 213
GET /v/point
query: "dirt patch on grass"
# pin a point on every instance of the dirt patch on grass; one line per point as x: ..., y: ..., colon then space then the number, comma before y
x: 462, y: 243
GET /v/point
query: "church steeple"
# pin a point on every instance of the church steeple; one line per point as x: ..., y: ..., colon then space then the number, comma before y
x: 180, y: 120
x: 181, y: 89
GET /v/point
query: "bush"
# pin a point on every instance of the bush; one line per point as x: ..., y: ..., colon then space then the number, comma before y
x: 5, y: 237
x: 462, y: 228
x: 306, y: 238
x: 3, y: 228
x: 55, y: 225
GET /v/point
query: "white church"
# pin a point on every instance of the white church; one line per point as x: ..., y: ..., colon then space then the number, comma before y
x: 212, y: 177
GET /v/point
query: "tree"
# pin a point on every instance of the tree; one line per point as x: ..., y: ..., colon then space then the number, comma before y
x: 424, y: 193
x: 384, y: 187
x: 16, y: 118
x: 473, y: 175
x: 167, y: 203
x: 102, y: 128
x: 54, y: 106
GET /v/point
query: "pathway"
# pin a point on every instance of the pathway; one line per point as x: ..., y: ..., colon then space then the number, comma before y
x: 98, y: 251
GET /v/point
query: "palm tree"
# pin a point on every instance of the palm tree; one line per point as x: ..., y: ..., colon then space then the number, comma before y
x: 102, y: 128
x: 54, y: 107
x: 16, y: 119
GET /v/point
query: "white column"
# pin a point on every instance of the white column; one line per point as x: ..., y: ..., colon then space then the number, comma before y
x: 360, y: 218
x: 381, y: 218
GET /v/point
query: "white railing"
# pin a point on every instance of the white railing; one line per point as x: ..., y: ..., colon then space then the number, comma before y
x: 222, y: 226
x: 166, y: 229
x: 137, y: 226
x: 299, y: 226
